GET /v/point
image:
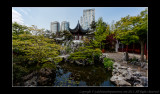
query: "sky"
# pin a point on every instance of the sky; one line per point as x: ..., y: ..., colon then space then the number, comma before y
x: 43, y: 16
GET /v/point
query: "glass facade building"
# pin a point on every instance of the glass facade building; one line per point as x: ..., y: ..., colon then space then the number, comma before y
x: 88, y: 17
x: 55, y: 27
x: 64, y: 26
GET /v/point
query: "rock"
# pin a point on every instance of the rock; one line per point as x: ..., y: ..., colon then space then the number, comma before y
x: 137, y: 74
x: 142, y: 64
x: 29, y: 76
x: 128, y: 77
x: 139, y: 85
x: 31, y: 82
x: 121, y: 71
x: 45, y: 71
x: 124, y: 73
x: 119, y: 81
x: 71, y: 61
x: 146, y: 67
x: 79, y: 63
x: 123, y: 67
x: 126, y: 56
x: 144, y: 81
x: 113, y: 79
x: 125, y: 62
x: 42, y: 80
x: 123, y: 83
x: 116, y: 64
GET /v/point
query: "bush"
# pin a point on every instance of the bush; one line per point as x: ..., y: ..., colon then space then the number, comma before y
x: 108, y: 63
x: 18, y: 73
x: 87, y: 53
x: 49, y: 65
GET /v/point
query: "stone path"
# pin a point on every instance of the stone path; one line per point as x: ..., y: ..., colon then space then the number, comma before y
x: 118, y: 58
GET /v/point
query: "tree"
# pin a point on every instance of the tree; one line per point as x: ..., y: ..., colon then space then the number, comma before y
x: 37, y: 48
x: 100, y: 33
x: 47, y: 34
x: 35, y: 31
x: 140, y: 29
x: 32, y: 52
x: 19, y: 29
x: 67, y: 35
x: 93, y: 25
x: 131, y: 29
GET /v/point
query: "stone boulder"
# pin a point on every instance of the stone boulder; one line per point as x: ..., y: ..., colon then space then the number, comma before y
x: 137, y: 74
x: 78, y: 63
x: 31, y: 82
x: 125, y: 76
x: 46, y: 76
x: 144, y: 80
x: 119, y: 81
x: 116, y: 65
x: 126, y: 56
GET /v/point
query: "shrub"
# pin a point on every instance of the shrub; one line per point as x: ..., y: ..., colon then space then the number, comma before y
x: 87, y: 53
x: 18, y: 73
x: 49, y: 65
x: 108, y: 63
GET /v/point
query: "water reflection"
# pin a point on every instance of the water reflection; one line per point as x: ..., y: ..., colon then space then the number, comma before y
x: 73, y: 75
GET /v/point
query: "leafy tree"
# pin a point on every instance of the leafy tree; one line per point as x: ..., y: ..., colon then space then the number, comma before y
x: 100, y: 33
x: 32, y: 52
x: 67, y: 35
x: 140, y: 29
x: 124, y: 31
x: 19, y: 29
x: 131, y: 29
x: 93, y: 25
x: 37, y: 48
x: 36, y: 31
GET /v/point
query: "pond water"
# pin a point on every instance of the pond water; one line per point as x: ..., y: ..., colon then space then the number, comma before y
x: 73, y: 75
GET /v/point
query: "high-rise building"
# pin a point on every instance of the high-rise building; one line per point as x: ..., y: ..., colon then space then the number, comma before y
x: 88, y: 17
x: 64, y: 26
x: 55, y: 27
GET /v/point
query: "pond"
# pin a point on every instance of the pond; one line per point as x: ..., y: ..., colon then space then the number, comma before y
x: 73, y: 75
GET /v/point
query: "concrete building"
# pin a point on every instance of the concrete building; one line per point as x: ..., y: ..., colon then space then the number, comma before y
x: 88, y: 17
x: 64, y: 26
x: 55, y: 27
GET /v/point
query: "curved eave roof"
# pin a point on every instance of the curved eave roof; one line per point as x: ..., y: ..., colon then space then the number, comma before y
x: 78, y: 29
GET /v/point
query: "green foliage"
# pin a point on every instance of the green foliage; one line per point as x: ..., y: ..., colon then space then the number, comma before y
x: 36, y: 48
x: 19, y: 72
x: 19, y: 29
x: 32, y: 52
x: 87, y: 53
x: 49, y: 65
x: 93, y: 25
x: 67, y: 35
x: 132, y: 29
x: 100, y: 33
x: 108, y: 63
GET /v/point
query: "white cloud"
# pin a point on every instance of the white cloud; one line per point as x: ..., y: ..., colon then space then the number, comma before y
x: 17, y: 17
x: 23, y: 11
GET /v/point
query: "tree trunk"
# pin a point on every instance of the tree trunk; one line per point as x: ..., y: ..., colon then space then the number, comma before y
x: 142, y: 51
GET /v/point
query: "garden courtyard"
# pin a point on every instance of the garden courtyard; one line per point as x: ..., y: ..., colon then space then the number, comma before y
x: 77, y: 57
